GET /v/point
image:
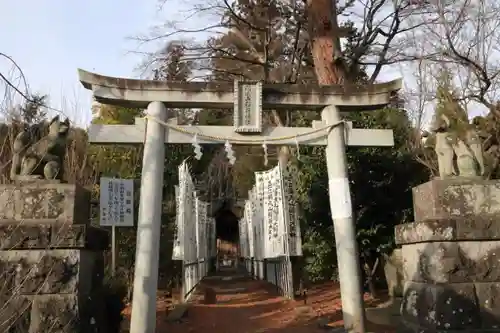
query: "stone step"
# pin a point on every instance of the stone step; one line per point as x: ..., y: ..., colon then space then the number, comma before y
x: 387, y: 314
x: 178, y: 312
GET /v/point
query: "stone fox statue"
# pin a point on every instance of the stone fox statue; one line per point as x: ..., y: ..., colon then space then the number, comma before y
x: 43, y: 158
x: 459, y: 153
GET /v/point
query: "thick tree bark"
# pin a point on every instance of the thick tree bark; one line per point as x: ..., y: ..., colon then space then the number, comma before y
x: 325, y: 42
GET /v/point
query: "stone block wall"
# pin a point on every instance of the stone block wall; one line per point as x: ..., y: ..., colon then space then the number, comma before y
x: 44, y: 202
x: 451, y: 257
x: 51, y: 262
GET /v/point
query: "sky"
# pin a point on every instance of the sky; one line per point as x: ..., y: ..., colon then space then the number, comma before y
x: 50, y: 39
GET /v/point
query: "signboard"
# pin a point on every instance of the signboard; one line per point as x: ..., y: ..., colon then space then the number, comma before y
x: 117, y: 202
x: 247, y: 116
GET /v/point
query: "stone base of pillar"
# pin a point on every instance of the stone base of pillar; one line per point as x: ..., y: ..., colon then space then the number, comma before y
x: 51, y: 272
x: 451, y: 257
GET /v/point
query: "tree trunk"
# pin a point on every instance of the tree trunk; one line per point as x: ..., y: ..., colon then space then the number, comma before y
x: 328, y: 65
x: 369, y: 281
x: 325, y: 42
x: 370, y: 273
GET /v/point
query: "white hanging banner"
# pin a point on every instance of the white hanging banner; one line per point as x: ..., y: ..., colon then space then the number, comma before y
x: 292, y: 211
x: 241, y: 229
x: 245, y: 239
x: 249, y: 228
x: 273, y: 213
x: 209, y: 236
x: 199, y: 228
x: 263, y: 184
x: 259, y: 221
x: 201, y: 215
x: 250, y: 213
x: 340, y: 200
x: 203, y: 228
x: 187, y: 214
x: 213, y: 241
x: 190, y: 226
x: 178, y: 250
x: 261, y: 235
x: 279, y: 221
x: 242, y: 238
x: 269, y: 215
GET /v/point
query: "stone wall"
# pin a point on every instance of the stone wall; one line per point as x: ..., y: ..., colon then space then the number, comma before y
x: 51, y: 260
x: 451, y: 257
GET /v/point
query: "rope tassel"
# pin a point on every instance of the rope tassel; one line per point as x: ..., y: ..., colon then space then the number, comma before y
x: 264, y: 146
x: 197, y: 148
x: 317, y: 133
x: 297, y: 146
x: 230, y: 153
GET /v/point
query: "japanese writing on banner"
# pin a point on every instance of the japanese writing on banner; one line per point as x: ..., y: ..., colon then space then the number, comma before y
x: 249, y: 221
x: 273, y: 217
x: 117, y: 202
x: 291, y: 211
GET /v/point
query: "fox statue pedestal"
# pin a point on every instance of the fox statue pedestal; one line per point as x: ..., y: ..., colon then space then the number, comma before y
x: 451, y: 257
x: 51, y: 260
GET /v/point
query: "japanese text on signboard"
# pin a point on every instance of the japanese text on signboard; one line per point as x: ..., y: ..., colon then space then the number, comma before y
x: 116, y: 204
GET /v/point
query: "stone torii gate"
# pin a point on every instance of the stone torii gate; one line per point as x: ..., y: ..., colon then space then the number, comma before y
x: 248, y: 100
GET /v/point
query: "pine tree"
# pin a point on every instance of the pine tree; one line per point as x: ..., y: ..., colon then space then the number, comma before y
x: 172, y: 65
x: 447, y: 104
x: 32, y: 111
x: 266, y: 40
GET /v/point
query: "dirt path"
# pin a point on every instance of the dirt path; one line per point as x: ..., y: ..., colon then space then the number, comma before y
x: 249, y: 306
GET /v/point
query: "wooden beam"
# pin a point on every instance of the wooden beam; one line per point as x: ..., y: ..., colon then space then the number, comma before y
x: 139, y: 93
x: 134, y: 134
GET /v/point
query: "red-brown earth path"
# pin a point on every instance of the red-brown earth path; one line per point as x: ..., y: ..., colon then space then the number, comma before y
x: 249, y: 306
